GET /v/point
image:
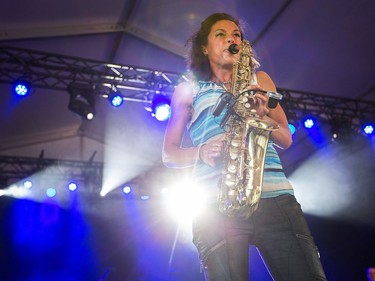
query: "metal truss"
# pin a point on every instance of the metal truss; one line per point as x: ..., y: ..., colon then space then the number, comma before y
x: 56, y: 172
x: 57, y: 72
x: 298, y: 104
x: 13, y: 169
x: 54, y: 71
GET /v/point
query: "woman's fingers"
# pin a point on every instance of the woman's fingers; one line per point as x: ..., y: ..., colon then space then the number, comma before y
x: 211, y: 151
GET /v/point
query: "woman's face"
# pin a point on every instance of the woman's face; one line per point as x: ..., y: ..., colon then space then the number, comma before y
x: 223, y: 33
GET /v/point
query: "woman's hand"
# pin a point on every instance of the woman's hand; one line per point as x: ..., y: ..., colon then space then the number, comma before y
x: 260, y: 100
x: 211, y: 151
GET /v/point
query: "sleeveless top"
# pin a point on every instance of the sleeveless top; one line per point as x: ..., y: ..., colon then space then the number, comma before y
x: 204, y: 126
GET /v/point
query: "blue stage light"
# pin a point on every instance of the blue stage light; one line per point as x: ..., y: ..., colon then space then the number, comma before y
x: 51, y: 192
x: 72, y: 186
x: 145, y: 197
x: 28, y: 184
x: 116, y: 100
x: 162, y: 112
x: 368, y: 129
x: 21, y: 88
x: 309, y: 122
x: 292, y: 128
x: 161, y: 107
x: 126, y: 189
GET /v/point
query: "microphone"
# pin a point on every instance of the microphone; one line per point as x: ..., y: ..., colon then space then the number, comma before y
x: 273, y: 99
x: 225, y: 100
x: 233, y: 49
x: 222, y: 101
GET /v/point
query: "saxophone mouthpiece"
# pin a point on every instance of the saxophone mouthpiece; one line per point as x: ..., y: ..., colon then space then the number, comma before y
x: 234, y: 49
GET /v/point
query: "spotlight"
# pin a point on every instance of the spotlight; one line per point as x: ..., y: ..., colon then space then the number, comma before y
x: 51, y: 192
x: 309, y: 122
x: 28, y: 184
x: 161, y: 107
x: 21, y: 87
x: 341, y: 129
x: 292, y: 121
x: 126, y: 189
x: 116, y: 100
x: 164, y: 190
x: 82, y: 100
x: 292, y: 128
x: 368, y: 129
x: 72, y: 186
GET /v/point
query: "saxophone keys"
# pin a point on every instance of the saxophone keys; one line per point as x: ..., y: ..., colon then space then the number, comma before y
x: 241, y: 198
x: 233, y: 153
x: 229, y: 182
x: 231, y: 169
x: 235, y: 143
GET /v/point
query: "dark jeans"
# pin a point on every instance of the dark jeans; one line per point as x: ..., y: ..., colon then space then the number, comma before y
x: 278, y: 229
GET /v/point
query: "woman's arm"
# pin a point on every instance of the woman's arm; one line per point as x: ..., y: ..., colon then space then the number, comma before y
x: 281, y: 137
x: 181, y: 111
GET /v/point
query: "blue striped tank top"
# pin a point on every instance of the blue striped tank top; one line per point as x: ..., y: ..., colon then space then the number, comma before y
x: 204, y: 126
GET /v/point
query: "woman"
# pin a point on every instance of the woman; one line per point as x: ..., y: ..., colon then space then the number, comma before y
x: 277, y: 228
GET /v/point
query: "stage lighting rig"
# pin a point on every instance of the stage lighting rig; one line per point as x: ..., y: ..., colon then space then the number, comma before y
x: 368, y: 129
x: 160, y: 107
x: 309, y: 122
x: 341, y: 129
x: 293, y: 123
x: 82, y: 100
x: 56, y: 71
x: 72, y: 186
x: 115, y: 99
x: 21, y: 87
x: 112, y: 94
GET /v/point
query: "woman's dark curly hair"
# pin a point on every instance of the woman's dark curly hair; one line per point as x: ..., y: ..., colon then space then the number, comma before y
x: 197, y: 62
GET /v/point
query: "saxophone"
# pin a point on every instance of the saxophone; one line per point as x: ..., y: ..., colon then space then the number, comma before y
x: 246, y: 139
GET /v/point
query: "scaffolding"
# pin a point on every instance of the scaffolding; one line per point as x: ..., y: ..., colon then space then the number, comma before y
x: 57, y: 72
x: 54, y: 71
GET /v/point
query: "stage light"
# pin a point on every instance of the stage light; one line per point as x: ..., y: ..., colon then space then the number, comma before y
x: 368, y: 129
x: 145, y: 197
x: 292, y: 121
x: 292, y: 127
x: 161, y: 107
x: 21, y: 87
x: 82, y: 100
x: 341, y: 129
x: 116, y: 100
x: 28, y: 184
x: 72, y: 186
x: 51, y: 192
x: 126, y: 189
x: 309, y: 122
x: 186, y: 201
